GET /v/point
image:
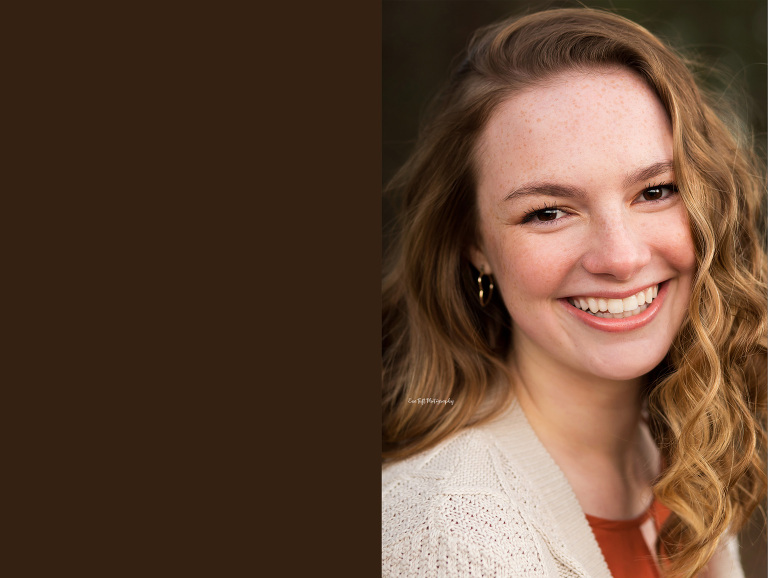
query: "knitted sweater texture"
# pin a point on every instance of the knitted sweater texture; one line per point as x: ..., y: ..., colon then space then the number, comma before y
x: 491, y: 502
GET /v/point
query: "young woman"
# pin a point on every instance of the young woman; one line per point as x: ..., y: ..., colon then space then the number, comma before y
x: 574, y: 317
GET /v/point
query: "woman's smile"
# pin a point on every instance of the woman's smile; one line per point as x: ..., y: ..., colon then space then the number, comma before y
x: 613, y: 308
x: 618, y: 314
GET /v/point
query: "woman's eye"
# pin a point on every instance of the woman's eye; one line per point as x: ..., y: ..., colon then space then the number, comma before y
x: 659, y: 192
x: 543, y: 215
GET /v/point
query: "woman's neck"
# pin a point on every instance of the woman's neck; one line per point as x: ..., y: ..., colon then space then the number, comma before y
x: 594, y: 431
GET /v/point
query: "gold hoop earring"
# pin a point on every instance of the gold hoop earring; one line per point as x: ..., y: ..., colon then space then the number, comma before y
x: 481, y: 293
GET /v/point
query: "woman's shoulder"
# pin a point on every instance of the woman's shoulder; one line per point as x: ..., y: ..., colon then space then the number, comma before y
x: 450, y: 507
x: 498, y: 458
x: 488, y: 500
x: 443, y: 463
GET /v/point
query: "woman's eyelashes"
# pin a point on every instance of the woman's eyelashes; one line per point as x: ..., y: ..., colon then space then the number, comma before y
x: 543, y: 215
x: 655, y: 193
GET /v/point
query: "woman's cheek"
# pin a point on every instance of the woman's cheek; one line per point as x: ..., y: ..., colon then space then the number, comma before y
x: 672, y: 238
x: 532, y: 267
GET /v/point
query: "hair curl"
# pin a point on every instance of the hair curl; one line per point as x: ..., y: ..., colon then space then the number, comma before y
x: 708, y: 399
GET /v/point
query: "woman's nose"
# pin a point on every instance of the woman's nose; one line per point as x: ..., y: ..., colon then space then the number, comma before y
x: 617, y: 248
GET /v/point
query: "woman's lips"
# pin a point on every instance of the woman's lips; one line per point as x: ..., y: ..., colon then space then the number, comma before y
x: 640, y: 315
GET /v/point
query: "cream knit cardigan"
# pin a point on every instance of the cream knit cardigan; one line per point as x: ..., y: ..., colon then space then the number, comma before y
x: 491, y: 502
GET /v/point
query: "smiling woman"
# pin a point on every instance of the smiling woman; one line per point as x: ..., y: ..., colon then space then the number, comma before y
x: 580, y: 269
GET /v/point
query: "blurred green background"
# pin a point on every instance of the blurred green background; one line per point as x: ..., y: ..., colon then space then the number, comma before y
x: 422, y: 39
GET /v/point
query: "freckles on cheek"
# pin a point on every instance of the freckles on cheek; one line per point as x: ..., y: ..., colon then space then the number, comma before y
x: 685, y: 253
x: 675, y: 241
x: 528, y: 273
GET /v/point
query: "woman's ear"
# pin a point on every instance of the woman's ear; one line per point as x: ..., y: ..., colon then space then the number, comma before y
x: 479, y: 260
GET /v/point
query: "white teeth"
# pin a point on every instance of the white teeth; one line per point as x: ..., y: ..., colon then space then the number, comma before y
x: 617, y: 308
x: 630, y: 303
x: 621, y: 315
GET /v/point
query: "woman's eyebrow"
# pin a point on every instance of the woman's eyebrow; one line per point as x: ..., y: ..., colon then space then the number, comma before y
x: 645, y: 173
x: 546, y: 188
x: 554, y: 189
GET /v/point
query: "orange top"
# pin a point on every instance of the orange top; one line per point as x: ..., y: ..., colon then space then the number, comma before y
x: 623, y: 545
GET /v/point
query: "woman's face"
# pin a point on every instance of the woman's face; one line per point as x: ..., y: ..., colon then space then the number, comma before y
x: 578, y: 209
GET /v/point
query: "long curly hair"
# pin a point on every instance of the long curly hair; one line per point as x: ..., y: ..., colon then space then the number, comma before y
x: 707, y: 400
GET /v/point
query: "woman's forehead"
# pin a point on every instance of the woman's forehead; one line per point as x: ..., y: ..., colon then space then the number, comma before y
x: 576, y: 122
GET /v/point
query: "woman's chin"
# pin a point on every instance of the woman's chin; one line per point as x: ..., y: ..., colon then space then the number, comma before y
x: 623, y: 370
